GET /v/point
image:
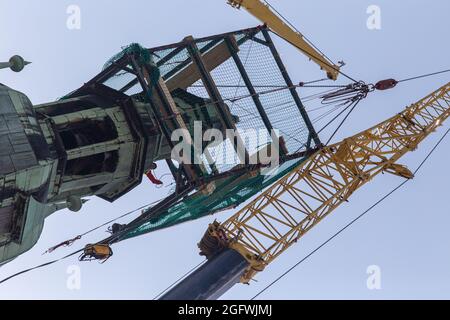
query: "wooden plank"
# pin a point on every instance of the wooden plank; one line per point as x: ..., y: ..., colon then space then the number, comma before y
x: 212, y: 59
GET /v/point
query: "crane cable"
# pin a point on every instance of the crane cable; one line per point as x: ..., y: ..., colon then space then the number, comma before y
x: 276, y: 280
x: 184, y: 276
x: 353, y: 221
x: 330, y: 62
x: 295, y: 28
x: 41, y: 266
x: 68, y: 243
x: 354, y: 105
x: 358, y: 87
x: 354, y: 93
x: 358, y: 91
x: 77, y: 238
x: 290, y: 269
x: 424, y: 76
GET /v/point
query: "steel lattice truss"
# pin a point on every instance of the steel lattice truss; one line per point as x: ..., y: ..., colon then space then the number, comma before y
x: 281, y: 215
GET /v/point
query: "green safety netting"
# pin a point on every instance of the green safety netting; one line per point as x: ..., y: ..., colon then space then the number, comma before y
x: 282, y: 107
x: 229, y: 193
x: 143, y: 57
x: 142, y: 54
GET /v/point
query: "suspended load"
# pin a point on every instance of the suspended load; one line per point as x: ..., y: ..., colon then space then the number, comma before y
x: 103, y: 138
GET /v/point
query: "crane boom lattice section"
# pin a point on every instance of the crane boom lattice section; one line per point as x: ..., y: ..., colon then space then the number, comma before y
x: 281, y: 215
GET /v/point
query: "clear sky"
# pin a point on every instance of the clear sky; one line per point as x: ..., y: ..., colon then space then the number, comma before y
x: 406, y: 237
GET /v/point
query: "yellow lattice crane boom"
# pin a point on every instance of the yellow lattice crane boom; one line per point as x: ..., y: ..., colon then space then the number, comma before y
x: 281, y: 215
x: 264, y: 13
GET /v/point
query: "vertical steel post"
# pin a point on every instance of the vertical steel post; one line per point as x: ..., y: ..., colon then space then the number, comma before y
x: 292, y: 89
x: 248, y: 83
x: 214, y: 93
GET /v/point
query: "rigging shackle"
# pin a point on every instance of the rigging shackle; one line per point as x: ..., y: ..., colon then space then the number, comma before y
x: 386, y: 84
x: 350, y: 94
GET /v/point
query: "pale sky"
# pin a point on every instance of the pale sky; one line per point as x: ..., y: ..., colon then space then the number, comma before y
x: 406, y: 237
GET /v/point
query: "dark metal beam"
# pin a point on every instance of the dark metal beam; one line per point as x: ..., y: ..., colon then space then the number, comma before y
x: 157, y: 115
x: 212, y: 90
x: 234, y: 53
x: 110, y: 70
x: 159, y: 64
x: 169, y: 56
x: 192, y: 170
x: 292, y: 89
x: 257, y: 40
x: 178, y: 68
x: 208, y: 82
x: 186, y: 62
x: 253, y: 30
